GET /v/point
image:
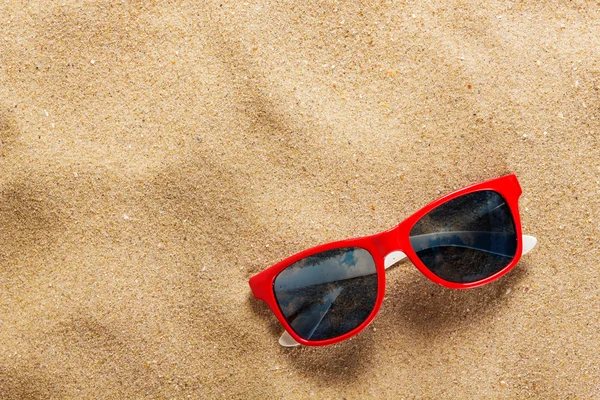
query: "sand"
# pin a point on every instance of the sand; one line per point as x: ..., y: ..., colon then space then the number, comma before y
x: 155, y: 155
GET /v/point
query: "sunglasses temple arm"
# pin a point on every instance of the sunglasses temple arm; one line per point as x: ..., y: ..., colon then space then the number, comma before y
x: 529, y: 243
x: 392, y: 258
x: 490, y: 242
x: 286, y: 340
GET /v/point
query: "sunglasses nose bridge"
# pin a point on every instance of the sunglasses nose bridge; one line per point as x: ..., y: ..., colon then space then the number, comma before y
x: 389, y: 246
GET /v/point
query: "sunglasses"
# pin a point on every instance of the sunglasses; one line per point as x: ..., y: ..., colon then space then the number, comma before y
x: 331, y: 292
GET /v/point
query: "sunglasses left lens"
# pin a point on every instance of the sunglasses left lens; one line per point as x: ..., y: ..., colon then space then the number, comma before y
x: 466, y: 239
x: 328, y: 294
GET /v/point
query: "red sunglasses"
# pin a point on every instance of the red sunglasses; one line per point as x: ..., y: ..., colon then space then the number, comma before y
x: 331, y: 292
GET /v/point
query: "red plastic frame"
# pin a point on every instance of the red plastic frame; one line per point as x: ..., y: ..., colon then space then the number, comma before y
x: 381, y: 244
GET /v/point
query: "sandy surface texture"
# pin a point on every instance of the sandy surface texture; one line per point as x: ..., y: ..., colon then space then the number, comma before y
x: 155, y: 155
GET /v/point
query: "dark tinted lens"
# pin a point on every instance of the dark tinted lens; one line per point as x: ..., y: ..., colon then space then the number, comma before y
x: 466, y: 239
x: 328, y: 294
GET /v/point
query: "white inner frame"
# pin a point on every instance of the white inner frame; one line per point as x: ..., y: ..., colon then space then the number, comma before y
x: 286, y: 340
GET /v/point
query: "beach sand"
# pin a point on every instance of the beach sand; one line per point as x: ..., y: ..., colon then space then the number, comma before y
x: 155, y: 155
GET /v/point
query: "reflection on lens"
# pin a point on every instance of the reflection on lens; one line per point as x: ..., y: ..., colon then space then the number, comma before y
x: 328, y: 294
x: 466, y: 239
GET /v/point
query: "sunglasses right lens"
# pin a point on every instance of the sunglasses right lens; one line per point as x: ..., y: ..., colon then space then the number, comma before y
x: 328, y: 294
x: 466, y: 239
